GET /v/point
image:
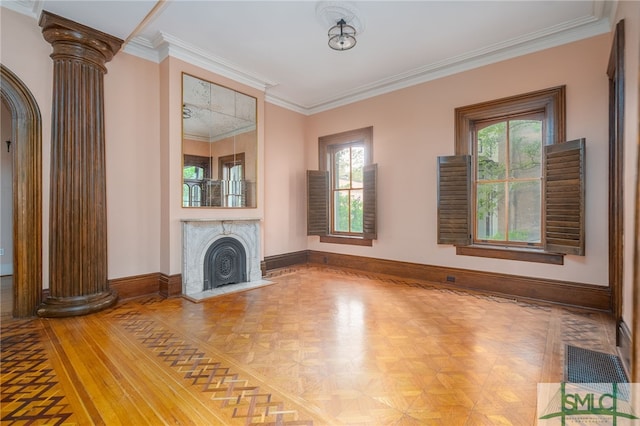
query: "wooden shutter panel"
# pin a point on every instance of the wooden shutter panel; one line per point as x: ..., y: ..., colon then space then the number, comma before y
x: 564, y: 197
x: 317, y: 202
x: 370, y: 180
x: 454, y: 197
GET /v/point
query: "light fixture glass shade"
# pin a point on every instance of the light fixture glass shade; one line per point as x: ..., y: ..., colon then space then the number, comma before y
x: 342, y: 36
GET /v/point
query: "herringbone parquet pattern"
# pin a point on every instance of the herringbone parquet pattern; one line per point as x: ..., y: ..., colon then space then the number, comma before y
x: 320, y: 347
x: 246, y: 402
x: 30, y: 390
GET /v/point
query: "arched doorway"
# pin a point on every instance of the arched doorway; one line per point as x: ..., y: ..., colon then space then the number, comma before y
x: 26, y: 122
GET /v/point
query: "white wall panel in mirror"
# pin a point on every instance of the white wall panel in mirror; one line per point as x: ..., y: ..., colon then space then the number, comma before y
x: 219, y: 145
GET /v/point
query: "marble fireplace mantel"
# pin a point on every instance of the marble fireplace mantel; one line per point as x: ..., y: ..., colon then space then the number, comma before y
x: 199, y: 234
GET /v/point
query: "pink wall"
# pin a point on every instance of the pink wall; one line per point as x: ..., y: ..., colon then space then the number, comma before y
x: 285, y: 216
x: 193, y: 147
x: 132, y: 117
x: 167, y: 123
x: 413, y: 126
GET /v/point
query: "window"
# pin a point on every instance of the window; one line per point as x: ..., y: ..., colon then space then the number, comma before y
x: 346, y: 164
x: 230, y: 189
x: 514, y: 189
x: 195, y: 171
x: 231, y: 174
x: 508, y: 180
x: 342, y: 194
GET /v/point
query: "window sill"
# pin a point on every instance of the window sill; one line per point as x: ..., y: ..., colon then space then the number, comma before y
x: 509, y: 253
x: 354, y: 241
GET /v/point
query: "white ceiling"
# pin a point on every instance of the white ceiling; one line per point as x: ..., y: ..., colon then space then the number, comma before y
x: 281, y: 46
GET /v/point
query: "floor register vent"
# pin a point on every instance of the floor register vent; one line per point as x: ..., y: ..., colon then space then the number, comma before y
x: 589, y: 366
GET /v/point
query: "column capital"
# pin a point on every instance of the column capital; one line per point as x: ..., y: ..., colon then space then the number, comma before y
x: 72, y: 40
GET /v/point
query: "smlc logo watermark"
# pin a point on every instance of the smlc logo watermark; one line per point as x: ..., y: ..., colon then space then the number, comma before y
x: 613, y: 404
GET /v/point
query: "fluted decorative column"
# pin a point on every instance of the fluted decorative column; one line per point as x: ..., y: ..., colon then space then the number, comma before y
x: 78, y: 213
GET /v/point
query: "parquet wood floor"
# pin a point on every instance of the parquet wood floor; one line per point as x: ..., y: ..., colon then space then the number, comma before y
x: 320, y: 346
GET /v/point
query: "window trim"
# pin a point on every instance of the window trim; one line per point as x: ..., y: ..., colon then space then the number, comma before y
x: 232, y: 158
x: 511, y: 253
x: 553, y: 102
x: 364, y: 134
x: 347, y: 240
x: 325, y: 143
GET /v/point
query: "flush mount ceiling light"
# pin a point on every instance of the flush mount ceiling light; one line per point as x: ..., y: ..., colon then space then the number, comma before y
x: 342, y: 36
x: 342, y: 19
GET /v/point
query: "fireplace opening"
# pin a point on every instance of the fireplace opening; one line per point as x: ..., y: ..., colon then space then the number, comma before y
x: 224, y: 263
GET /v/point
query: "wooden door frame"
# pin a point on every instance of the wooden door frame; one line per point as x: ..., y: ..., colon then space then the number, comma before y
x: 615, y: 71
x: 635, y: 292
x: 26, y: 123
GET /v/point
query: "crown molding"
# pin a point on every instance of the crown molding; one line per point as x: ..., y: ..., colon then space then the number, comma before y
x: 142, y: 48
x: 599, y: 22
x: 287, y: 104
x: 553, y: 37
x: 31, y: 8
x: 164, y: 45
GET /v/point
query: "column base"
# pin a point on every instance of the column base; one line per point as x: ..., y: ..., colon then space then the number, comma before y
x: 56, y: 307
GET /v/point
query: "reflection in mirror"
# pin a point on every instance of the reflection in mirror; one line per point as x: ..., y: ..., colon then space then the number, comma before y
x: 219, y: 145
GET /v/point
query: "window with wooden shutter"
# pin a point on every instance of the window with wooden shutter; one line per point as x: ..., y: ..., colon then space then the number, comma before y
x: 454, y: 194
x: 342, y: 197
x: 564, y: 197
x: 506, y: 203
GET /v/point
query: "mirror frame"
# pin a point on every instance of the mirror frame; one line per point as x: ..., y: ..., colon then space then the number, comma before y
x: 217, y: 187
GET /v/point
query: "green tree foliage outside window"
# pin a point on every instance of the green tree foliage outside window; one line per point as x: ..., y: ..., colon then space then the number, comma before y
x: 348, y: 166
x: 508, y: 181
x: 192, y: 172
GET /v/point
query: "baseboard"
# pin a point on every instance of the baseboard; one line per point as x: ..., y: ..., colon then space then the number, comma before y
x: 147, y: 285
x: 625, y: 345
x: 284, y: 260
x: 142, y: 285
x: 510, y: 286
x: 136, y: 286
x: 170, y: 285
x: 129, y: 287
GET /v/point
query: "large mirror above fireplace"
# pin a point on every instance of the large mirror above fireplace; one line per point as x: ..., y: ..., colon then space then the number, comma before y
x: 219, y: 145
